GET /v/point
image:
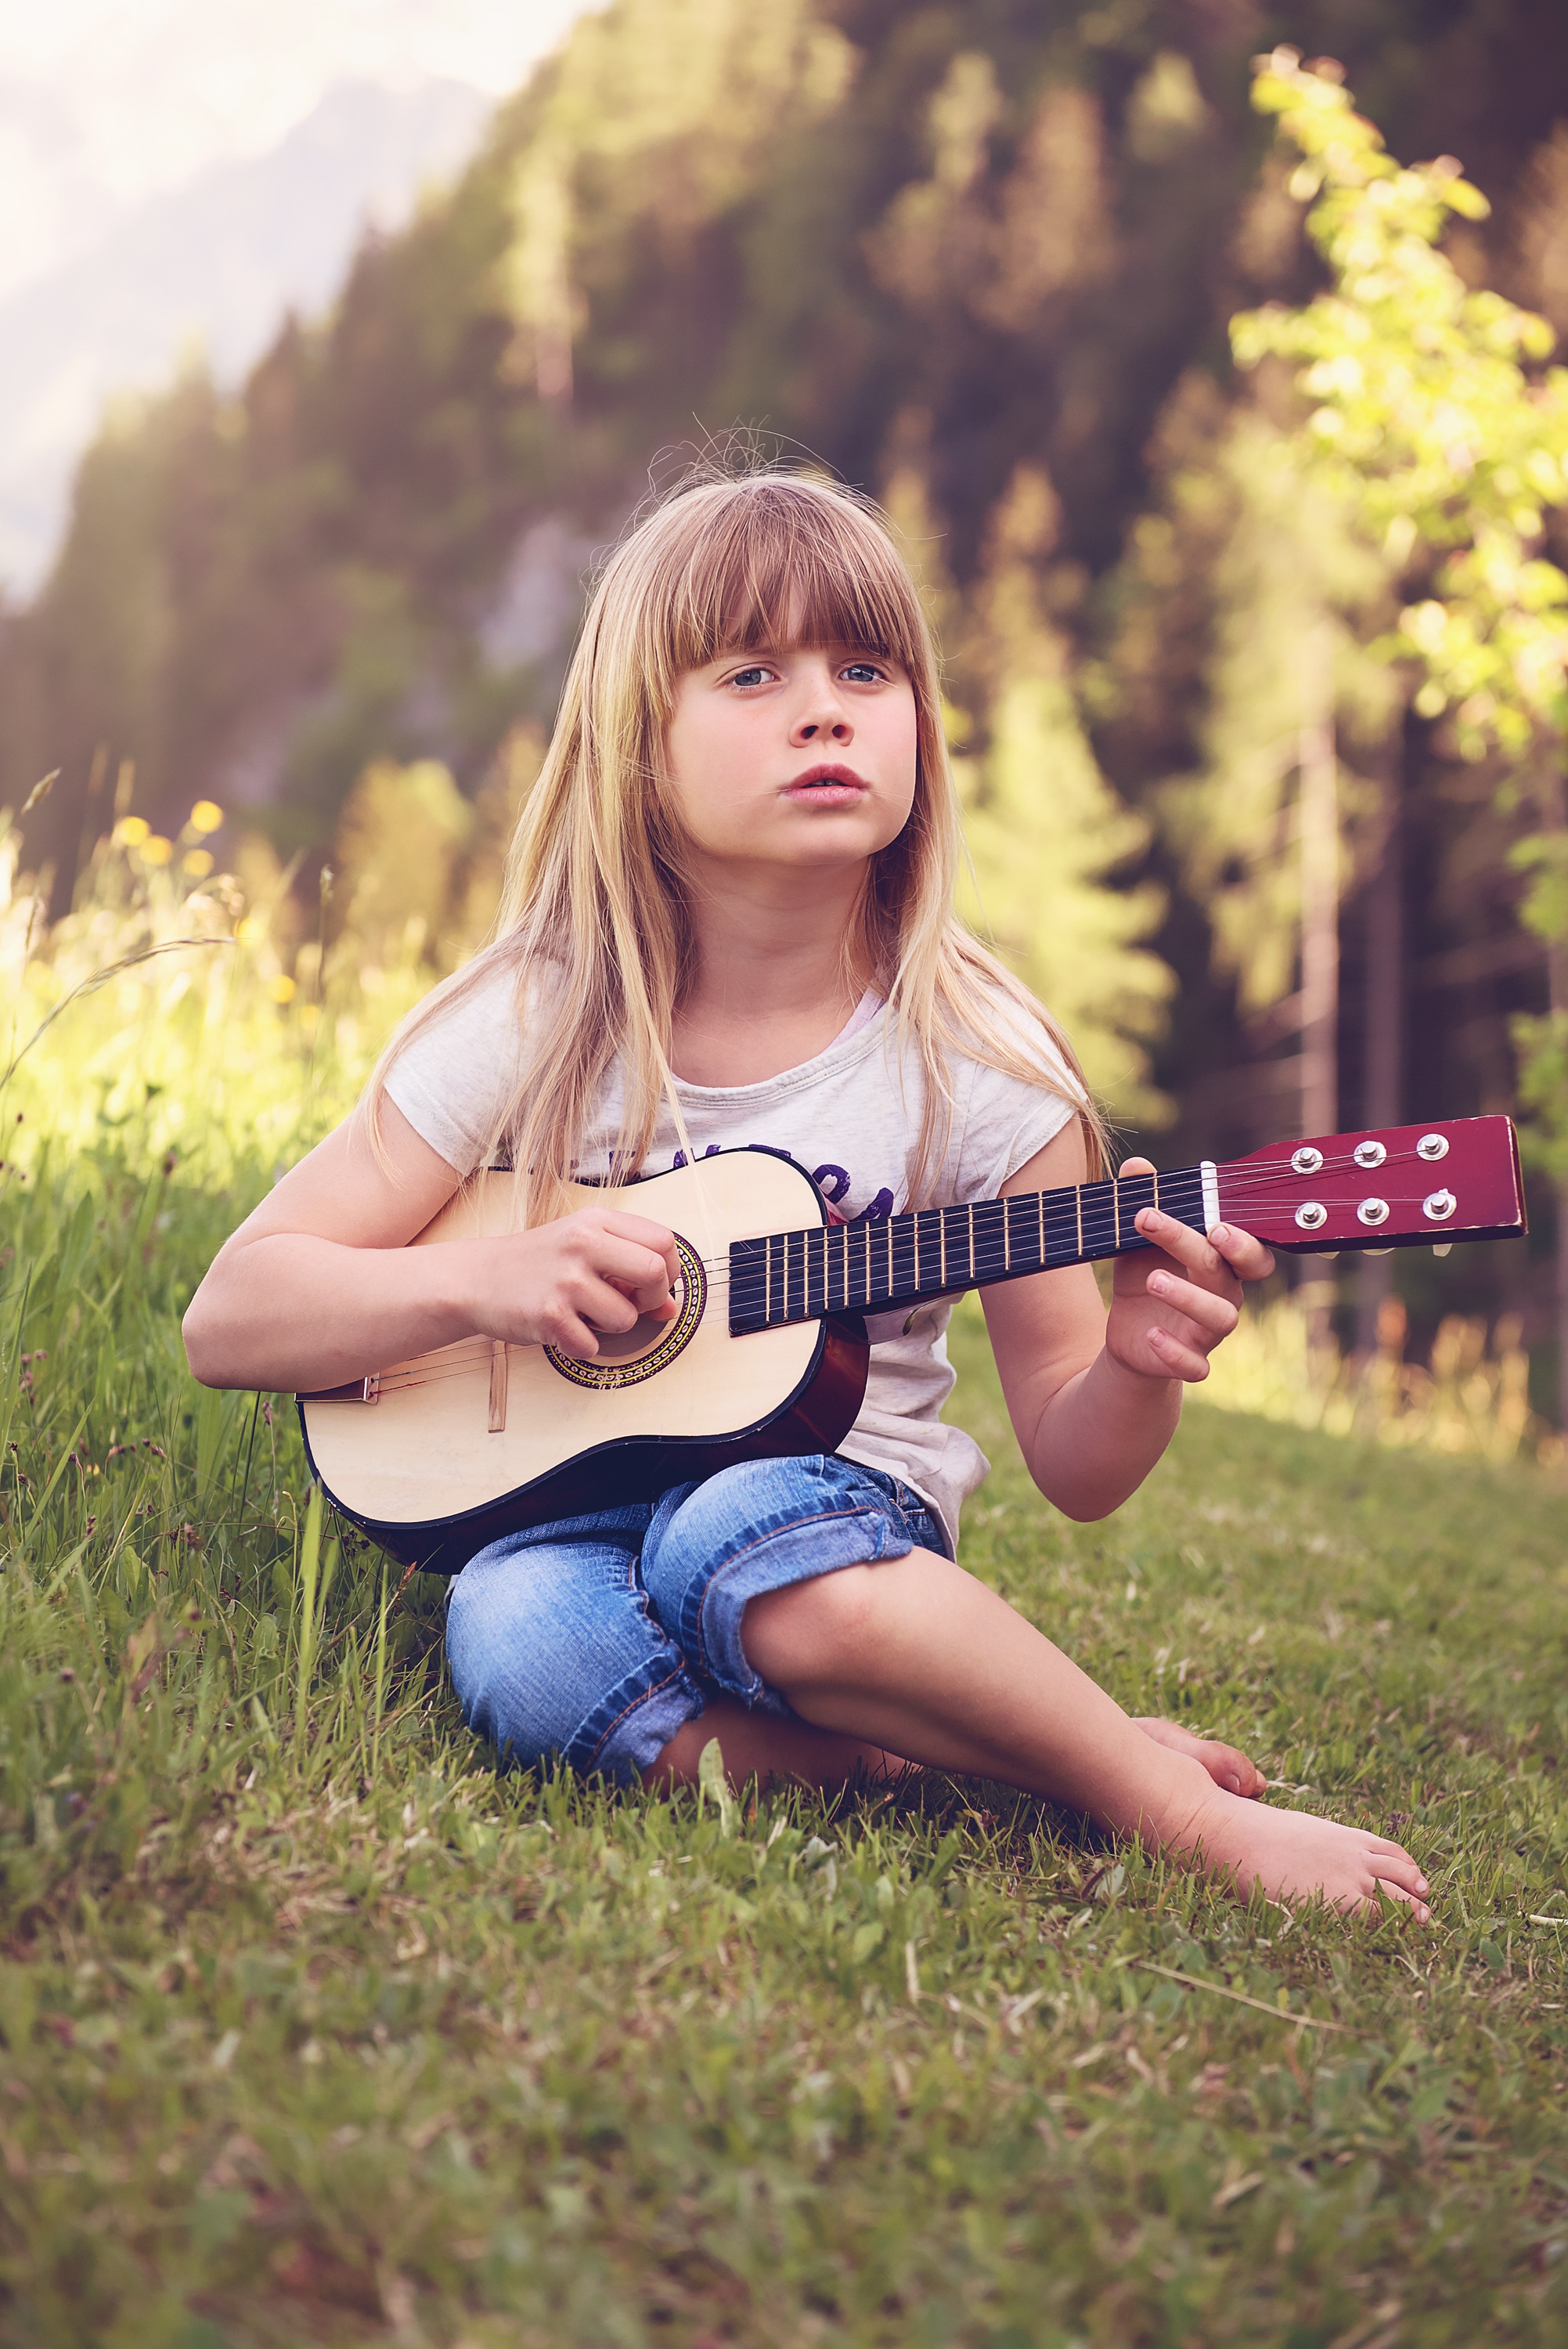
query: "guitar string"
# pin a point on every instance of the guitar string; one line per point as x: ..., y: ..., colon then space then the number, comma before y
x: 985, y: 1264
x: 983, y: 1274
x: 1254, y: 1190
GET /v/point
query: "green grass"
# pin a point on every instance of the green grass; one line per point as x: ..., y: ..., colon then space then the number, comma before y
x: 317, y: 2031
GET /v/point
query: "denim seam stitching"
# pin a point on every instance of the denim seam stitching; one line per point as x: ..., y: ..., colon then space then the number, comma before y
x: 631, y: 1707
x: 790, y: 1525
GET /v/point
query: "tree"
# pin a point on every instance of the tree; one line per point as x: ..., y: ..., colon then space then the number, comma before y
x: 1434, y: 419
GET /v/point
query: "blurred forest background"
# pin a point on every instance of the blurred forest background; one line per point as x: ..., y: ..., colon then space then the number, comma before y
x: 1235, y: 823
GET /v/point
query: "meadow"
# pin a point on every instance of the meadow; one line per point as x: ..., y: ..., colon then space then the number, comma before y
x: 316, y: 2029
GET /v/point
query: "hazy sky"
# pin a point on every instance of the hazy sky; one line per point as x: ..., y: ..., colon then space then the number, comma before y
x: 106, y: 101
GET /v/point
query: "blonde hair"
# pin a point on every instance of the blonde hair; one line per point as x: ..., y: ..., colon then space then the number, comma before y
x: 593, y: 919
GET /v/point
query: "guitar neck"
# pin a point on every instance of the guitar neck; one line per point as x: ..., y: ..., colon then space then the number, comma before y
x: 874, y: 1266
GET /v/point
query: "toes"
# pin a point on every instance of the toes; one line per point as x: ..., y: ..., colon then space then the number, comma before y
x: 1402, y: 1897
x: 1392, y: 1864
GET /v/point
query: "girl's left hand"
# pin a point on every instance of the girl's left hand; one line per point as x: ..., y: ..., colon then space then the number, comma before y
x: 1171, y: 1307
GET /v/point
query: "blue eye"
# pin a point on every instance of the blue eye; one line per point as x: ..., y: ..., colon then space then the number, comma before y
x: 748, y: 675
x: 863, y: 673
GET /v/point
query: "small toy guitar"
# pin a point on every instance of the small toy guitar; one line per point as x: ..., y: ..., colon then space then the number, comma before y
x: 767, y: 1352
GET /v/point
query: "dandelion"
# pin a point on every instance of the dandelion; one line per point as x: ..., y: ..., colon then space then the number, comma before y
x: 157, y: 851
x: 251, y: 930
x: 206, y: 816
x: 280, y: 988
x: 131, y: 831
x: 197, y: 863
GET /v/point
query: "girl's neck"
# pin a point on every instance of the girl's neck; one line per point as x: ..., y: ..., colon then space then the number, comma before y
x: 771, y: 985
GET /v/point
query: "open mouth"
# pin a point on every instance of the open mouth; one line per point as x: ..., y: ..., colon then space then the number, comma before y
x: 834, y: 783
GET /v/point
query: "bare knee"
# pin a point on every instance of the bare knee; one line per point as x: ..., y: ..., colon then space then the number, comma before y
x: 807, y: 1630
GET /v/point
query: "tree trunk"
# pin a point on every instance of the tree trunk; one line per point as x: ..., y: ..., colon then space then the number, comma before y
x: 1557, y: 996
x: 1385, y: 1031
x: 1319, y: 814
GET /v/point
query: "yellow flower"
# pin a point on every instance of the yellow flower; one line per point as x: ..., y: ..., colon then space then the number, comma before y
x: 157, y: 851
x: 282, y: 989
x: 206, y: 816
x: 197, y: 862
x: 251, y: 930
x: 132, y: 830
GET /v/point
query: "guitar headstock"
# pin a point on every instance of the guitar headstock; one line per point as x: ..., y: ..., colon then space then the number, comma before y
x: 1388, y: 1186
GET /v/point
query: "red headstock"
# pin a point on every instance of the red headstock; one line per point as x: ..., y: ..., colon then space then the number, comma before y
x: 1392, y: 1187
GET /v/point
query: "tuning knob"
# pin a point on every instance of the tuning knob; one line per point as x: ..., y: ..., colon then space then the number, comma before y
x: 1439, y: 1205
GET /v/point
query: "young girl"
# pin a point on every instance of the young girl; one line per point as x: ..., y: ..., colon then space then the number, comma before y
x: 728, y: 923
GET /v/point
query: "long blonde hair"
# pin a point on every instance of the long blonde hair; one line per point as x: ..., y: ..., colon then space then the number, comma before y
x: 593, y: 919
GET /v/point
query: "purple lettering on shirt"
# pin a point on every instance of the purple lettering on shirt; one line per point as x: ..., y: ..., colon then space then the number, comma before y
x: 833, y: 1181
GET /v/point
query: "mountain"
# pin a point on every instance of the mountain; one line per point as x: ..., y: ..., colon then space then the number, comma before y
x: 210, y: 265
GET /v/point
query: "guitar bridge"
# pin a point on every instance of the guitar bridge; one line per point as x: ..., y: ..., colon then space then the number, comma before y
x: 366, y: 1390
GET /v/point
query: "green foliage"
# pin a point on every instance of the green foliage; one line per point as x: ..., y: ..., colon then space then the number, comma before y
x: 1045, y: 831
x: 318, y: 2029
x: 1427, y: 422
x: 1432, y: 429
x: 1294, y: 592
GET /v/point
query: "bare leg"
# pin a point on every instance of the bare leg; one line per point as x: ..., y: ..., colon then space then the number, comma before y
x: 917, y: 1658
x: 762, y: 1745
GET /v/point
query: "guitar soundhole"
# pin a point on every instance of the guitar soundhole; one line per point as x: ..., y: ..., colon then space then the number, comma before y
x: 627, y: 1357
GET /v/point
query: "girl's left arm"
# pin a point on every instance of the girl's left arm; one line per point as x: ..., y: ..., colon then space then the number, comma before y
x: 1095, y: 1399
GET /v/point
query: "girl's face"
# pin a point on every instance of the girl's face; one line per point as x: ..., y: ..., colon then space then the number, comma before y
x: 802, y: 758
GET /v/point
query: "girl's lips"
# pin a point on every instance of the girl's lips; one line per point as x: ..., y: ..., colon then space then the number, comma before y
x: 828, y: 786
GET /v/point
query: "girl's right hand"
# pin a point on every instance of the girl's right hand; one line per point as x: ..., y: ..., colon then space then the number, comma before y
x: 565, y: 1284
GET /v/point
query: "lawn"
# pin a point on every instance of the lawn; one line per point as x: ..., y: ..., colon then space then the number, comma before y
x: 317, y: 2031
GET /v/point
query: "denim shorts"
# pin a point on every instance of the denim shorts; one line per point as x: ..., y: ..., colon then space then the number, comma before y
x: 597, y: 1637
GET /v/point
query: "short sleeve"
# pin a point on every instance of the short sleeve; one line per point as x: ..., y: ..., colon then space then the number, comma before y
x: 1009, y: 1119
x: 454, y: 1078
x: 1003, y: 1134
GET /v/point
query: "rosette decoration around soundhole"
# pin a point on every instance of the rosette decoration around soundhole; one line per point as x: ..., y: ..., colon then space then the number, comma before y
x: 626, y: 1357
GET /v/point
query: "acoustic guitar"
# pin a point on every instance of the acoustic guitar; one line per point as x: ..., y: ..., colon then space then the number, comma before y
x: 767, y: 1354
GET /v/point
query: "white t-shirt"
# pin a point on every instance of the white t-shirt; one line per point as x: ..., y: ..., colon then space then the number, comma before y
x: 850, y: 1117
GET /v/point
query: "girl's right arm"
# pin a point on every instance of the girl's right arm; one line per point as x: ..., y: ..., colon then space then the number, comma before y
x: 320, y: 1285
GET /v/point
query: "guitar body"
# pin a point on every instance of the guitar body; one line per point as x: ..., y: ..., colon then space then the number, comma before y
x: 436, y: 1458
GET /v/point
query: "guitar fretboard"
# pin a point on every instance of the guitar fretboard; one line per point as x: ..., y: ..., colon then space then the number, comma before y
x: 870, y: 1266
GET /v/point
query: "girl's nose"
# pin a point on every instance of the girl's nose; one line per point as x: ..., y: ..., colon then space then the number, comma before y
x: 824, y: 718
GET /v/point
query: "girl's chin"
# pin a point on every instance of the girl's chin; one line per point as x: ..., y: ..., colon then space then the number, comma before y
x: 813, y: 844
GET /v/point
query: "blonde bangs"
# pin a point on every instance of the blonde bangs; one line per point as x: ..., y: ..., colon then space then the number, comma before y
x: 786, y: 565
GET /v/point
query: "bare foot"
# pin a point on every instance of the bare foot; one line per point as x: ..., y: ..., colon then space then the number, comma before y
x: 1294, y: 1854
x: 1227, y: 1765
